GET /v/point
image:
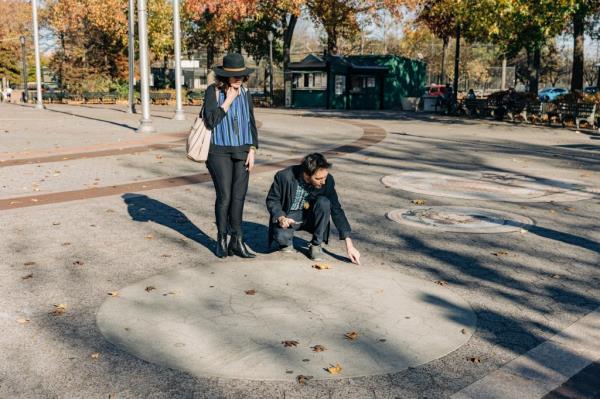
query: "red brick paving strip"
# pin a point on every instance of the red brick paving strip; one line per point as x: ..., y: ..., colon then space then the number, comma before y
x: 166, y: 140
x: 372, y: 134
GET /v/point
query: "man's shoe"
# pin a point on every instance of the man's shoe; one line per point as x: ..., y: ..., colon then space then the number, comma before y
x: 315, y: 252
x: 286, y: 249
x: 238, y: 247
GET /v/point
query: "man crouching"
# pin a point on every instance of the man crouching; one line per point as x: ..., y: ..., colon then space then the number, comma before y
x: 303, y: 197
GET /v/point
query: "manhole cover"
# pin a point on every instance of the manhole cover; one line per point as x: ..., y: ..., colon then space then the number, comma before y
x: 493, y: 186
x: 460, y: 219
x: 262, y: 319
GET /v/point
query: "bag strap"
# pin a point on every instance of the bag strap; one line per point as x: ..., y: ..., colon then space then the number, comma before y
x: 203, y: 105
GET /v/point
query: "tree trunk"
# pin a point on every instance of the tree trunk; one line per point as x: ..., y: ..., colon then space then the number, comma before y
x: 456, y: 62
x: 332, y: 41
x: 288, y: 33
x: 578, y: 29
x: 443, y: 68
x: 535, y: 73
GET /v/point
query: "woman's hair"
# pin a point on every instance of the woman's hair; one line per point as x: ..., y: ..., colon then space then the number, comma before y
x: 313, y: 162
x: 222, y: 82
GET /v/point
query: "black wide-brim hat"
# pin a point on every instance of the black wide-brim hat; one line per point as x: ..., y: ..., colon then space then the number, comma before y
x: 233, y: 65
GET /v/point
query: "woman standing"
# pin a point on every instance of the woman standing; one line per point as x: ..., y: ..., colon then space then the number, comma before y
x: 229, y: 113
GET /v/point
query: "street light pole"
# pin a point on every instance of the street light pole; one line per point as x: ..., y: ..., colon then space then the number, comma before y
x: 145, y: 122
x: 179, y: 115
x: 38, y: 67
x: 598, y: 83
x: 131, y: 43
x: 270, y: 37
x: 24, y: 72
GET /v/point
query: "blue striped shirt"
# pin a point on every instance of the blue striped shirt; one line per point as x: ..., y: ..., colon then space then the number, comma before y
x: 234, y: 130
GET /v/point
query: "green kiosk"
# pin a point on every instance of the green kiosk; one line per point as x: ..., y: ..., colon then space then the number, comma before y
x: 355, y: 82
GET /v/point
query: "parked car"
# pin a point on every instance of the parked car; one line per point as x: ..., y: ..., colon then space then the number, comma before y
x: 435, y: 90
x: 551, y: 93
x: 591, y: 90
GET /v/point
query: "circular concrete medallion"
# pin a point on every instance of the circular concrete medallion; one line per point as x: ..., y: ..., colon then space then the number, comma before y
x: 489, y: 185
x: 460, y: 219
x: 232, y: 320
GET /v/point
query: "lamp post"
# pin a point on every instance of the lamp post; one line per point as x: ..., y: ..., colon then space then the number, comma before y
x: 179, y: 115
x: 131, y: 56
x: 270, y: 37
x: 24, y: 72
x: 145, y: 122
x: 38, y: 68
x: 598, y: 83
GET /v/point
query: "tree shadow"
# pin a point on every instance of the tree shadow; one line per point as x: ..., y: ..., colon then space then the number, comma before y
x: 142, y: 208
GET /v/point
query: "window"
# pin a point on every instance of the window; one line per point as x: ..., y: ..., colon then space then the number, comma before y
x: 309, y: 80
x: 360, y: 83
x: 340, y: 85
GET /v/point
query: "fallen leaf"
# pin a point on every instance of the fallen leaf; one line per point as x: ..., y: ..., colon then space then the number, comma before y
x: 523, y: 231
x: 319, y: 348
x: 500, y: 253
x: 250, y: 292
x: 95, y: 355
x: 114, y: 293
x: 288, y: 344
x: 22, y: 321
x: 149, y: 237
x: 441, y: 283
x: 78, y: 263
x: 30, y: 275
x: 463, y: 331
x: 65, y: 244
x: 321, y: 266
x: 570, y: 209
x: 29, y: 264
x: 303, y: 378
x: 474, y: 359
x: 289, y: 371
x: 556, y: 276
x: 306, y: 360
x: 352, y: 335
x: 382, y: 340
x: 335, y: 369
x: 55, y: 223
x: 149, y: 288
x: 59, y: 309
x: 165, y: 256
x: 158, y: 156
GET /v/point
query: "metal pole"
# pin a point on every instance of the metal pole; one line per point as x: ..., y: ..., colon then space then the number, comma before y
x: 38, y: 67
x: 145, y: 122
x: 24, y: 73
x: 271, y: 65
x: 179, y: 115
x: 504, y: 73
x: 131, y: 40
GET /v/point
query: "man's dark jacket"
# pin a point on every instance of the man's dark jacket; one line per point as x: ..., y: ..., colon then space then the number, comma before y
x: 282, y: 192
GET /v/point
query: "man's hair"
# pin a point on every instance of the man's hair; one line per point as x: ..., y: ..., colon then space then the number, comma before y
x: 313, y: 162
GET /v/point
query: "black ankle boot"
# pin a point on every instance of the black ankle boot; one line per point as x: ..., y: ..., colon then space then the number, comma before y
x: 221, y: 245
x: 238, y: 247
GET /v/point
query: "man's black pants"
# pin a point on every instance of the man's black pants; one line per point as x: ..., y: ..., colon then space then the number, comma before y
x: 314, y: 220
x: 230, y: 178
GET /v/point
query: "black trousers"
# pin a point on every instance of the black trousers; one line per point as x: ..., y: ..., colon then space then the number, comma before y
x: 230, y: 177
x: 314, y: 220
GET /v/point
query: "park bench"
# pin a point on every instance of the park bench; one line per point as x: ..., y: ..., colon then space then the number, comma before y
x: 517, y: 110
x: 160, y: 98
x: 99, y: 98
x: 586, y: 112
x: 535, y: 112
x: 195, y: 97
x: 476, y: 107
x: 566, y: 111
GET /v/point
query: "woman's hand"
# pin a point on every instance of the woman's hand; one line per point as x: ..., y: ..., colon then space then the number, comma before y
x: 230, y: 95
x: 250, y: 160
x: 352, y: 252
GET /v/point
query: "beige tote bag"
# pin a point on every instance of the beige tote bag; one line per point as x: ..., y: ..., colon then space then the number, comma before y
x: 198, y: 142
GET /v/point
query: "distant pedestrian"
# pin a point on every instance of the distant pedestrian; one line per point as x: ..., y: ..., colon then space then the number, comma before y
x: 228, y: 112
x: 8, y: 94
x: 471, y: 95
